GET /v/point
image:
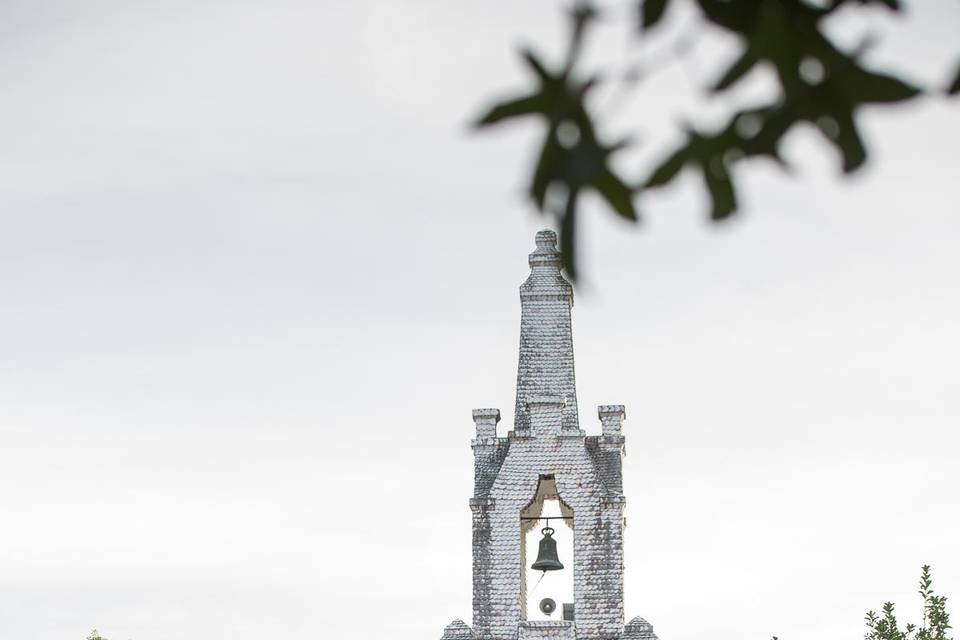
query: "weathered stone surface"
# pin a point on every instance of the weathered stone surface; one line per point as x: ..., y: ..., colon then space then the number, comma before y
x: 639, y: 629
x: 546, y: 630
x: 457, y: 630
x: 546, y: 342
x: 547, y: 448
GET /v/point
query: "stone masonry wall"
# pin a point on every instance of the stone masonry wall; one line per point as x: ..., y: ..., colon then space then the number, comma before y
x: 547, y: 442
x: 545, y: 366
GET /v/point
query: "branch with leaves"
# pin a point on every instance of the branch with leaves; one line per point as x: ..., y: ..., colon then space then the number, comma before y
x: 820, y: 83
x: 934, y: 625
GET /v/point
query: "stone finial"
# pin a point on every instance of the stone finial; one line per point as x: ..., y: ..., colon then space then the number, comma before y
x: 486, y: 421
x: 546, y: 253
x: 457, y: 630
x: 546, y: 283
x: 639, y: 629
x: 612, y: 417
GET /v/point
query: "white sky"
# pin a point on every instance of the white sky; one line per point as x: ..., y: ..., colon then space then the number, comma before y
x: 255, y: 274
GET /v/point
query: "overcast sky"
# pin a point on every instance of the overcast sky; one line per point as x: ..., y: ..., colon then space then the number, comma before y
x: 255, y: 273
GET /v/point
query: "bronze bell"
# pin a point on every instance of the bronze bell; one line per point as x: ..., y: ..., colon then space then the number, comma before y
x: 547, y: 559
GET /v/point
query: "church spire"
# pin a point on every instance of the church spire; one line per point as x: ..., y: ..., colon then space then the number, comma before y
x: 545, y: 369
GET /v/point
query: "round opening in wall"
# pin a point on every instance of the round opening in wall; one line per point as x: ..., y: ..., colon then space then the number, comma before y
x: 548, y: 606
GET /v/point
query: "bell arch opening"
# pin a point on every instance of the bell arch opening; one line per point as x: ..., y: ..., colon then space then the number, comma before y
x: 546, y: 510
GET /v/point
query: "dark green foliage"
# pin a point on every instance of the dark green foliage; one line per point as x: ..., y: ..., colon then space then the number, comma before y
x: 934, y: 626
x: 572, y: 158
x: 820, y: 84
x: 954, y: 87
x: 651, y: 11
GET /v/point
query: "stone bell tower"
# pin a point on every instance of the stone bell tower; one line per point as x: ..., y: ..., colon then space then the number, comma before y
x: 547, y: 456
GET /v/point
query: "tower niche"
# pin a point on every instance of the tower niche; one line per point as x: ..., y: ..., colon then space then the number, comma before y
x: 546, y: 509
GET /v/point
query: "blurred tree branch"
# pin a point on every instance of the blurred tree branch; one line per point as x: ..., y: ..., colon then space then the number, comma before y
x: 820, y: 83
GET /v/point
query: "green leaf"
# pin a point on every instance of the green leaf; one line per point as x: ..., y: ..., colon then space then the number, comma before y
x: 571, y: 157
x: 849, y: 143
x: 735, y: 71
x: 708, y: 154
x: 568, y: 245
x: 527, y: 105
x: 721, y: 189
x: 651, y: 11
x: 893, y: 5
x: 668, y: 169
x: 864, y: 86
x: 548, y: 171
x: 954, y: 87
x: 786, y: 36
x: 534, y: 63
x: 617, y: 194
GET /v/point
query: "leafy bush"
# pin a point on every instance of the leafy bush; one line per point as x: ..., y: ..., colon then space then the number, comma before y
x: 934, y: 626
